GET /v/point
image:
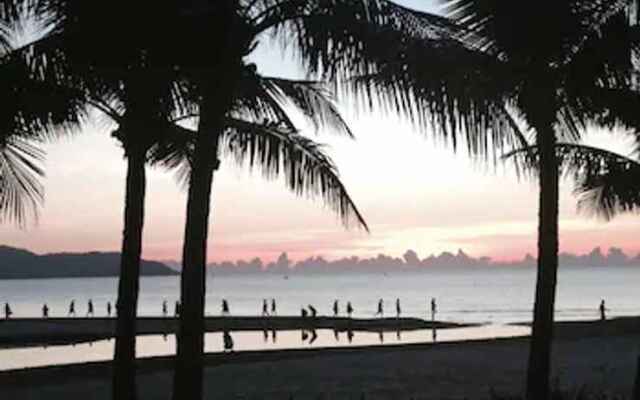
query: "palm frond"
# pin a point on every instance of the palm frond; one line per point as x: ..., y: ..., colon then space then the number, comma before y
x: 605, y: 182
x: 306, y: 169
x: 274, y: 150
x: 313, y: 100
x: 21, y: 192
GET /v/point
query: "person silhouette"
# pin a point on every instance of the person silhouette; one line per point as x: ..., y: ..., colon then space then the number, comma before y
x: 312, y: 311
x: 273, y: 307
x: 265, y: 308
x: 303, y: 313
x: 45, y: 311
x: 225, y: 307
x: 90, y: 308
x: 602, y: 311
x: 165, y: 309
x: 176, y: 310
x: 7, y: 311
x: 380, y: 311
x: 433, y: 308
x: 336, y: 309
x: 349, y: 309
x: 228, y: 341
x: 108, y: 308
x: 398, y: 310
x: 72, y: 308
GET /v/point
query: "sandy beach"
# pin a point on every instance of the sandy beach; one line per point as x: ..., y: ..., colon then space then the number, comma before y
x: 596, y: 355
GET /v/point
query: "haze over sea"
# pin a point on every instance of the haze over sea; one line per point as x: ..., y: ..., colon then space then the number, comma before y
x: 486, y: 294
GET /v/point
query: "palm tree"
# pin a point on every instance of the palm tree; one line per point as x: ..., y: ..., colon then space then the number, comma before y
x: 122, y: 73
x: 259, y: 132
x: 555, y: 68
x: 333, y: 40
x: 547, y: 65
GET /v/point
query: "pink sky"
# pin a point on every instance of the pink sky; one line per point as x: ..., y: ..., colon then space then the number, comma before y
x: 413, y: 192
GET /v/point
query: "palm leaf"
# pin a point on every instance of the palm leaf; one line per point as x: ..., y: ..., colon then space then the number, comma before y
x: 606, y: 183
x: 21, y: 192
x: 306, y: 169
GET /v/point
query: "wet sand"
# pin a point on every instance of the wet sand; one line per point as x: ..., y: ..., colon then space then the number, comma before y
x: 22, y: 332
x: 602, y: 356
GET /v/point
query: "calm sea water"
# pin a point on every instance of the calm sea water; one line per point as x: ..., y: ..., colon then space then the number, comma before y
x: 471, y: 295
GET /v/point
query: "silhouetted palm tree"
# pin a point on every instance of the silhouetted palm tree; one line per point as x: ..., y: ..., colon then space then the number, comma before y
x: 555, y: 67
x: 549, y: 64
x: 123, y: 72
x: 259, y: 132
x: 334, y: 40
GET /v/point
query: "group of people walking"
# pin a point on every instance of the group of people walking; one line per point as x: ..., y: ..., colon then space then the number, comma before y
x: 269, y: 308
x: 380, y: 311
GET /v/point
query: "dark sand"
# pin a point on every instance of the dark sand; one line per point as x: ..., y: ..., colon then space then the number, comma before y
x: 21, y: 332
x: 602, y: 356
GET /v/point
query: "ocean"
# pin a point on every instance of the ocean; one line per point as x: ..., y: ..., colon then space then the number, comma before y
x: 487, y: 295
x: 494, y: 297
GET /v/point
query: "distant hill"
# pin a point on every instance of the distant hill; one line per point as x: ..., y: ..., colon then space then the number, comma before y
x: 22, y: 264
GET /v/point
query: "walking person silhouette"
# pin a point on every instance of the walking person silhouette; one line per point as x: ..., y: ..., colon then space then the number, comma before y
x: 335, y: 308
x: 108, y: 308
x: 433, y: 309
x: 265, y: 308
x: 349, y: 309
x: 72, y: 308
x: 225, y: 307
x: 273, y: 307
x: 603, y: 309
x: 90, y: 308
x: 45, y: 311
x: 165, y: 309
x: 398, y: 310
x: 313, y: 311
x: 7, y: 311
x: 380, y: 311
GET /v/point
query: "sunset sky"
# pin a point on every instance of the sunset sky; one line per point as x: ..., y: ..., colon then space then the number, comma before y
x: 414, y: 192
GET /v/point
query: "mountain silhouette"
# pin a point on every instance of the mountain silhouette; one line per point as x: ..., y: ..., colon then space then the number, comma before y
x: 22, y: 264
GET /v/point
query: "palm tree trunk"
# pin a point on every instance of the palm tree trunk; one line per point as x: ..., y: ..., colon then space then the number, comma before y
x: 635, y: 395
x: 124, y: 371
x: 188, y: 378
x: 542, y: 329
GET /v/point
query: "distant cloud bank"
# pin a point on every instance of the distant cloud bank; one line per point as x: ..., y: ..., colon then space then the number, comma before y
x: 412, y: 261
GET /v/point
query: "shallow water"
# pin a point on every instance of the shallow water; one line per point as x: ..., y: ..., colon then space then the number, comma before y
x: 159, y: 345
x: 498, y: 295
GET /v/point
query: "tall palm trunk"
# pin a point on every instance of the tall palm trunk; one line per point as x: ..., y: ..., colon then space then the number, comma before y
x: 539, y: 368
x: 188, y: 378
x: 124, y: 371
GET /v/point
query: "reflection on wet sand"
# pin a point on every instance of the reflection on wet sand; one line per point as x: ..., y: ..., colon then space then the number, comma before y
x: 159, y: 345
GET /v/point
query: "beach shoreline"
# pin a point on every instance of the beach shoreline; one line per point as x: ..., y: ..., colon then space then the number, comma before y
x: 597, y: 354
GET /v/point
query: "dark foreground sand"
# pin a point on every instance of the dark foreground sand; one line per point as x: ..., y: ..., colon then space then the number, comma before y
x: 602, y: 356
